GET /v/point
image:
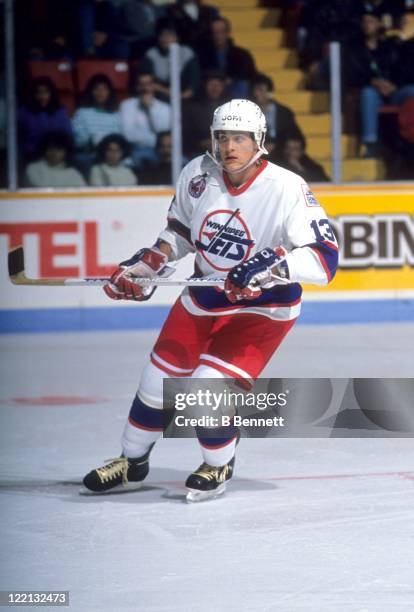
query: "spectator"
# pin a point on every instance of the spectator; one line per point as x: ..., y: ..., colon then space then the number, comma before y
x: 157, y: 61
x: 136, y: 21
x: 293, y: 157
x: 159, y: 172
x: 42, y: 113
x: 53, y: 168
x: 220, y: 53
x: 400, y: 156
x: 109, y: 170
x: 404, y: 6
x: 96, y: 21
x: 281, y: 122
x: 323, y: 21
x: 192, y: 19
x: 385, y: 10
x: 406, y: 141
x: 197, y: 114
x: 44, y: 30
x: 292, y: 23
x: 143, y: 117
x: 30, y: 24
x: 403, y: 38
x: 97, y: 117
x: 384, y: 74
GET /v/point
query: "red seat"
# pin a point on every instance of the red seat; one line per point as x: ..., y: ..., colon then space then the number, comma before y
x: 60, y: 72
x: 117, y: 72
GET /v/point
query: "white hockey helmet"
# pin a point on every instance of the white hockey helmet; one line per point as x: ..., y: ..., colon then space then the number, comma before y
x: 239, y: 115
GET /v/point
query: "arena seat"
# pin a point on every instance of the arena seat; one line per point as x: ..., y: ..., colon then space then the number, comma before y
x: 60, y: 72
x: 117, y: 72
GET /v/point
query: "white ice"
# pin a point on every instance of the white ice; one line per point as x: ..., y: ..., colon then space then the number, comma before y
x: 316, y: 525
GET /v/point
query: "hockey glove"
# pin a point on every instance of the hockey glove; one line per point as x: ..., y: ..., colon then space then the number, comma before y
x: 146, y: 263
x: 262, y: 271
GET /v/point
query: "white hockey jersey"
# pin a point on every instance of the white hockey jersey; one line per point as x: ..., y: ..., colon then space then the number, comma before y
x: 225, y: 226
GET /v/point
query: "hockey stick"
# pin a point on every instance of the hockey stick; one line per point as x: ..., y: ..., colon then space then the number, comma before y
x: 18, y: 276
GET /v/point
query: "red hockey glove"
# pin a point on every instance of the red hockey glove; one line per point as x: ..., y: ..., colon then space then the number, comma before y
x: 146, y: 263
x: 262, y: 271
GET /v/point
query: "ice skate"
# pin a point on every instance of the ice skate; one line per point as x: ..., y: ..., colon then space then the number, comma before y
x: 208, y: 481
x: 119, y: 474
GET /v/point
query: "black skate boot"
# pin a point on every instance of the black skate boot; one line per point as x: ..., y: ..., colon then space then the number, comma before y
x: 208, y: 481
x: 120, y: 474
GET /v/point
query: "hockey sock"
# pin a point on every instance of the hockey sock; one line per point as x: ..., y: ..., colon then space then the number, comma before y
x: 217, y: 450
x: 144, y: 426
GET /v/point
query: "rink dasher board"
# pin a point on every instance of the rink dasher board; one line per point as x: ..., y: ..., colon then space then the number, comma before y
x: 86, y: 233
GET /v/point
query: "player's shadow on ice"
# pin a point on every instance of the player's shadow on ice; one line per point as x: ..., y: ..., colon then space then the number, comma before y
x: 163, y: 485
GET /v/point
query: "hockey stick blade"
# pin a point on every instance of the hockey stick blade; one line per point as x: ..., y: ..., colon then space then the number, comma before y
x: 18, y: 276
x: 16, y: 270
x: 16, y: 261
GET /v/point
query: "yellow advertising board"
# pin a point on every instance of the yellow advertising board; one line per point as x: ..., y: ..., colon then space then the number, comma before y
x: 375, y: 229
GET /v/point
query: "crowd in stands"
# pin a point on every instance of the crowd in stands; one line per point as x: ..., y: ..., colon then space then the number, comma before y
x: 98, y: 131
x: 377, y: 38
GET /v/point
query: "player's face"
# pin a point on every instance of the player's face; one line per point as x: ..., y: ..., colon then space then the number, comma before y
x: 236, y: 149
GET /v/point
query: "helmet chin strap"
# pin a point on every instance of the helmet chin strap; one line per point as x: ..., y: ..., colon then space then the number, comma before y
x: 243, y: 168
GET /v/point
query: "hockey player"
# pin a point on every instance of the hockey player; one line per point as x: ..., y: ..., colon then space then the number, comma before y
x: 259, y: 227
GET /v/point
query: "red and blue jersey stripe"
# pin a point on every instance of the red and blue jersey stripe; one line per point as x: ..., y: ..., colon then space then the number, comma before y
x: 328, y: 256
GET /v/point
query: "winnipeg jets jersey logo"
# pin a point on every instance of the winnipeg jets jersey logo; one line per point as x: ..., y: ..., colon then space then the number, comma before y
x: 224, y: 239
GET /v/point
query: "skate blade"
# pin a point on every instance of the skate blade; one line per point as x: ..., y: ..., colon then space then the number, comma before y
x: 119, y: 489
x: 195, y: 496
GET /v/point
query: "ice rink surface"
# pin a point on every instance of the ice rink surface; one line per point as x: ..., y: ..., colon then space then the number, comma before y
x: 316, y: 525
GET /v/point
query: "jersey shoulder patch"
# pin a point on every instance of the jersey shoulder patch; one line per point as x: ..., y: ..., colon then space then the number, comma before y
x: 197, y: 185
x: 310, y: 199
